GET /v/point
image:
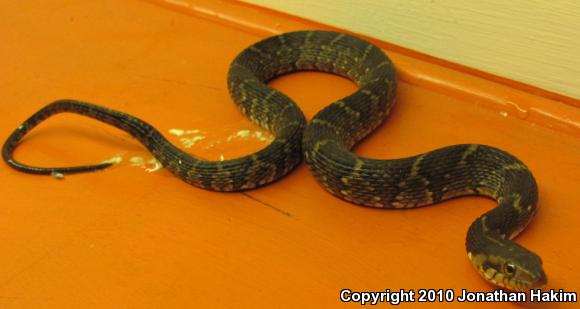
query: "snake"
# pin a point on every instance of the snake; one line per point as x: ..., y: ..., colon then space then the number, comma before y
x: 326, y: 142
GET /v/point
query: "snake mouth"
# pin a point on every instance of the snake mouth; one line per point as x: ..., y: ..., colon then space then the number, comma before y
x: 537, y: 282
x: 540, y: 281
x: 522, y: 284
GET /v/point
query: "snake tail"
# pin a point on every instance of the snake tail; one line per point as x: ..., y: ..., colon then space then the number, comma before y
x: 258, y: 169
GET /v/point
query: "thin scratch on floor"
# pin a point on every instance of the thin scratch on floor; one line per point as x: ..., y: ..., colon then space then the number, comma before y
x: 28, y: 266
x: 266, y: 204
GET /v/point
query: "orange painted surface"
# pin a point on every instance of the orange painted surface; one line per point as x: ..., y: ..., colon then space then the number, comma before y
x: 128, y: 238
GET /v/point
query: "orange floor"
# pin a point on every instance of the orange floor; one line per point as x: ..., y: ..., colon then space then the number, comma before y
x: 136, y: 237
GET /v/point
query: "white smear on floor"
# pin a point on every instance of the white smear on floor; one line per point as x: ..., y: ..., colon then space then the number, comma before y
x: 137, y: 161
x: 149, y: 166
x: 114, y: 160
x: 189, y: 142
x: 239, y: 134
x: 245, y: 134
x: 176, y: 132
x: 180, y: 132
x: 156, y: 165
x: 190, y: 138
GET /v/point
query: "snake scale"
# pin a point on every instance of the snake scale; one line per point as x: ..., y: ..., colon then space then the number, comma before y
x: 325, y: 145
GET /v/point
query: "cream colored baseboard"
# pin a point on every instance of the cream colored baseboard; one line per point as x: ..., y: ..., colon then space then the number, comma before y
x: 531, y: 41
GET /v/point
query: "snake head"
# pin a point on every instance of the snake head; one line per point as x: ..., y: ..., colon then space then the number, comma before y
x: 510, y: 266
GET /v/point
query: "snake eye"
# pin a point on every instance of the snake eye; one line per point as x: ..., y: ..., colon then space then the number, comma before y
x: 509, y: 269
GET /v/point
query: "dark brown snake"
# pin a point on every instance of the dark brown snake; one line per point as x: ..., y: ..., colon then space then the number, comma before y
x: 326, y: 142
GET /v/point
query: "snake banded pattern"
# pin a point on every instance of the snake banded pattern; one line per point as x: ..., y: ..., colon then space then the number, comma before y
x: 325, y: 143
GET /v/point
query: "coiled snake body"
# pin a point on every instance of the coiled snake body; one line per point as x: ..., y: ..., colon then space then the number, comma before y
x: 326, y: 142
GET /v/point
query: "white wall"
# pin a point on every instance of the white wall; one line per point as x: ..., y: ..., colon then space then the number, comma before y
x: 532, y: 41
